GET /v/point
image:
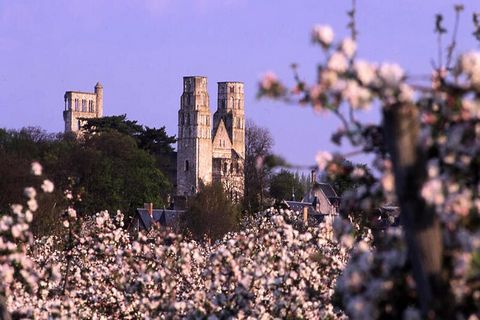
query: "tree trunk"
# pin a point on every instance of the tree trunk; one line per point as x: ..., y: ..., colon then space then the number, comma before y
x: 4, y: 315
x: 420, y: 223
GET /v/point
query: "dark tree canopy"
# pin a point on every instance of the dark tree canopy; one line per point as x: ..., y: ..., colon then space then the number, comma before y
x: 112, y: 123
x: 155, y: 141
x: 210, y: 213
x: 286, y: 186
x: 107, y: 170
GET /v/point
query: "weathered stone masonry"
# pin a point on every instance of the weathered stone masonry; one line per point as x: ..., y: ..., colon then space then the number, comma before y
x: 208, y: 154
x: 82, y: 105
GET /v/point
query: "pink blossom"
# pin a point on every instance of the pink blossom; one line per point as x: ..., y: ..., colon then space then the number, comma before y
x: 323, y: 158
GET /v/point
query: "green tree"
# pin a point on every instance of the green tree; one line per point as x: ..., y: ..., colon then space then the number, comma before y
x: 107, y: 170
x: 210, y: 214
x: 115, y: 174
x: 112, y: 123
x: 155, y: 141
x: 284, y: 184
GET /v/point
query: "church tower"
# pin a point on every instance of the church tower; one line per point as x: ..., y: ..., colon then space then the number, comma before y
x: 194, y: 145
x: 80, y: 104
x: 229, y: 139
x: 231, y: 109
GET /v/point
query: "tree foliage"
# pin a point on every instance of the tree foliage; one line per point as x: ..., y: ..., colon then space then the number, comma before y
x: 286, y: 185
x: 105, y: 169
x: 210, y: 213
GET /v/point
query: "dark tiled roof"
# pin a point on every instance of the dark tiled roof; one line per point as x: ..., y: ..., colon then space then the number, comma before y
x: 163, y: 216
x: 298, y: 206
x: 327, y: 190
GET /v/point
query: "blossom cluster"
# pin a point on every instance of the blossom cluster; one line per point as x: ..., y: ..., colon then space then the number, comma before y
x: 275, y: 267
x: 377, y: 281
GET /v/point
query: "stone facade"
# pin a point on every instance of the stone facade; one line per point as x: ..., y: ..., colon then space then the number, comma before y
x: 82, y: 105
x: 208, y: 154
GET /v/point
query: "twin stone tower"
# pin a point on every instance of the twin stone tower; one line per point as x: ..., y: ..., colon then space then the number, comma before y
x: 206, y: 152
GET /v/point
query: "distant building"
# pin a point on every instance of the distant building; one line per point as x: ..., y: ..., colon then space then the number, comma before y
x: 324, y: 198
x: 82, y: 105
x: 145, y: 218
x: 209, y: 153
x: 320, y: 202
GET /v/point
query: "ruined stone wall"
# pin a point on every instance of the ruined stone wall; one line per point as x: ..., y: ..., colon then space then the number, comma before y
x: 78, y: 105
x: 194, y: 146
x: 202, y: 158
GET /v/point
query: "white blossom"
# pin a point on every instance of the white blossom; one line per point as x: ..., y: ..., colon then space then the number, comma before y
x: 348, y: 47
x: 47, y: 186
x: 30, y: 192
x: 323, y: 34
x: 432, y: 191
x: 36, y: 168
x: 365, y: 72
x: 268, y: 80
x: 323, y: 158
x: 337, y: 62
x: 391, y: 74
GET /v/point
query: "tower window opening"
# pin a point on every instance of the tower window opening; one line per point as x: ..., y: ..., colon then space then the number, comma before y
x: 187, y: 165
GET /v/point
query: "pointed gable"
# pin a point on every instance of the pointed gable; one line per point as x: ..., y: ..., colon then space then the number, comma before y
x: 221, y: 139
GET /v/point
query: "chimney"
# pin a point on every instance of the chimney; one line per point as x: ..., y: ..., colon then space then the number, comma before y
x: 149, y: 207
x: 305, y: 216
x: 313, y: 176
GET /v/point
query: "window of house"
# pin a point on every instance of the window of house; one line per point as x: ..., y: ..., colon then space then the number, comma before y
x: 225, y: 168
x: 187, y: 165
x: 76, y: 104
x: 232, y: 89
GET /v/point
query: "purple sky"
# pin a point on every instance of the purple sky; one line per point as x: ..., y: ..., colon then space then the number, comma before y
x: 140, y: 49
